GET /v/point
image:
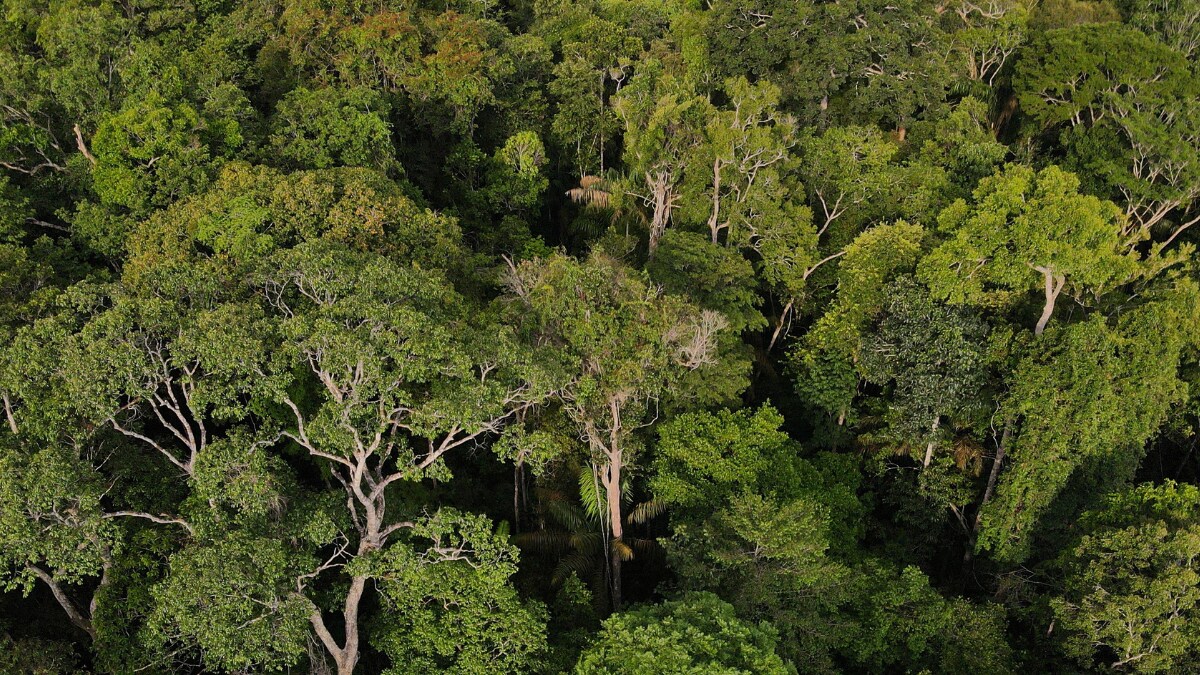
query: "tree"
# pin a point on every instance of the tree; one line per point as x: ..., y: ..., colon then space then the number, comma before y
x: 1130, y: 583
x: 898, y: 54
x: 777, y: 536
x: 990, y: 34
x: 846, y: 171
x: 697, y: 633
x: 53, y: 527
x: 825, y: 359
x: 624, y: 345
x: 449, y: 605
x: 1177, y: 24
x: 952, y: 155
x: 738, y: 184
x: 664, y: 124
x: 332, y: 127
x: 397, y: 380
x: 932, y: 355
x: 701, y: 458
x: 596, y: 60
x: 1026, y: 230
x: 579, y: 542
x: 234, y: 598
x: 1089, y: 393
x: 1125, y: 100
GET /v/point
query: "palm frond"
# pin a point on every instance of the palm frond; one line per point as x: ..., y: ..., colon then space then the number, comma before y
x: 646, y: 511
x: 568, y: 515
x: 625, y: 551
x: 544, y: 540
x: 575, y: 563
x: 587, y: 542
x: 646, y: 548
x: 591, y: 193
x: 591, y: 495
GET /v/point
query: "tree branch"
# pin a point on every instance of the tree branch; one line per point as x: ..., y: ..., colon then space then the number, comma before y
x: 83, y: 146
x: 161, y: 519
x: 68, y: 605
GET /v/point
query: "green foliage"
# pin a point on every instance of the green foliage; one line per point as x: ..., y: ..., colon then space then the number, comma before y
x: 825, y: 358
x: 1126, y: 102
x: 931, y: 355
x: 37, y: 657
x: 149, y: 154
x: 1089, y: 392
x: 959, y: 150
x: 305, y: 305
x: 847, y: 170
x: 695, y: 634
x: 626, y: 341
x: 906, y: 621
x: 322, y: 128
x: 714, y: 277
x: 1025, y: 230
x: 1130, y: 592
x: 1176, y: 24
x: 448, y: 603
x: 702, y: 458
x: 53, y: 522
x: 233, y: 598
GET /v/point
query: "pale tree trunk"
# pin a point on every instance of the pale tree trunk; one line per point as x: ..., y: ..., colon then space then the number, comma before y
x: 993, y: 475
x: 612, y: 494
x: 929, y: 448
x: 610, y: 478
x: 714, y: 226
x: 1001, y: 448
x: 662, y: 201
x: 1054, y: 285
x: 345, y: 655
x: 83, y: 148
x: 373, y: 537
x: 8, y: 413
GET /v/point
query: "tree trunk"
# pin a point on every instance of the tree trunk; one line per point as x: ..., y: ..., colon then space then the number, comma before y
x: 714, y: 227
x: 612, y: 494
x: 517, y: 497
x: 929, y: 448
x: 994, y: 474
x: 8, y: 412
x: 1054, y: 285
x: 83, y: 148
x: 615, y: 592
x: 662, y: 201
x: 346, y: 656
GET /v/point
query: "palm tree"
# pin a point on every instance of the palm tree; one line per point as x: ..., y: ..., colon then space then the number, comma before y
x: 603, y: 194
x: 581, y: 542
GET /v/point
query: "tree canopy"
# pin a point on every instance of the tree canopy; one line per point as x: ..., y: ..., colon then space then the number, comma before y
x: 600, y: 336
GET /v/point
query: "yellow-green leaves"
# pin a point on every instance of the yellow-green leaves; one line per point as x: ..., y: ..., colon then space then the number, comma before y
x: 1026, y: 230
